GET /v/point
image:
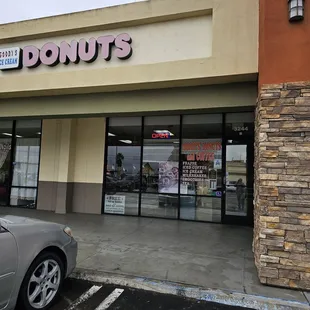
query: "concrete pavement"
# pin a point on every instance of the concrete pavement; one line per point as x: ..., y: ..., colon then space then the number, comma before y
x: 208, y: 256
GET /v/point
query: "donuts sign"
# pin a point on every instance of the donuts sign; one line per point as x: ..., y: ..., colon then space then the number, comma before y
x: 51, y: 54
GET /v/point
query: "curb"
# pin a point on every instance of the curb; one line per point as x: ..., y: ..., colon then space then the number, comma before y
x: 213, y: 295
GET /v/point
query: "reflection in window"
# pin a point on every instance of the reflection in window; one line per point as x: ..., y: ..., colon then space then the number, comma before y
x: 160, y: 205
x: 199, y: 208
x: 236, y: 180
x: 122, y: 184
x: 160, y: 170
x: 176, y: 177
x: 6, y: 128
x: 23, y: 197
x: 201, y: 171
x: 26, y: 163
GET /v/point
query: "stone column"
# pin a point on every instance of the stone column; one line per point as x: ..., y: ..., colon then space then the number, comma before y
x: 282, y: 185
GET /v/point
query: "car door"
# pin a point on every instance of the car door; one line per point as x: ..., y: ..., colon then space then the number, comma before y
x: 8, y: 265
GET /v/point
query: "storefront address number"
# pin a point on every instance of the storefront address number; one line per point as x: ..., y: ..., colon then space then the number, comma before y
x: 237, y: 128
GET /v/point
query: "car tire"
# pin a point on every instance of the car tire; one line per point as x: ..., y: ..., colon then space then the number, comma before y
x: 43, y: 279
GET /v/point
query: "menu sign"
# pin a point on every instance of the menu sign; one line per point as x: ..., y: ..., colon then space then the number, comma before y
x: 201, y: 162
x: 193, y: 172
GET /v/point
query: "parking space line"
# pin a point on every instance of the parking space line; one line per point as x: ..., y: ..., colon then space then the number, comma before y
x: 84, y: 297
x: 110, y: 299
x: 67, y: 300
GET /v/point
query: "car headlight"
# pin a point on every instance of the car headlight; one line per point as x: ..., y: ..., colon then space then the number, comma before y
x: 68, y: 231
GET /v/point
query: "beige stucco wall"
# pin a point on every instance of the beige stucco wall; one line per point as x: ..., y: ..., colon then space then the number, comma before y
x: 50, y: 147
x: 177, y: 99
x: 189, y: 38
x: 56, y: 163
x: 199, y: 53
x: 90, y: 141
x: 72, y: 150
x: 71, y: 168
x: 57, y: 150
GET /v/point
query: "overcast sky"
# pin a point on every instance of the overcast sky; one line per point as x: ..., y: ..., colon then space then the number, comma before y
x: 23, y: 10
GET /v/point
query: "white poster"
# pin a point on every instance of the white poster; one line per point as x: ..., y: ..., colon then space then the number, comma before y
x: 217, y: 164
x: 114, y: 204
x: 168, y: 177
x: 184, y: 189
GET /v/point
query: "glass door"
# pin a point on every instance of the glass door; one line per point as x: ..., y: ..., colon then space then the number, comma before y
x: 238, y: 182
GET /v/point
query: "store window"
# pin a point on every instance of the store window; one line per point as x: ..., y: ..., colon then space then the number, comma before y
x: 26, y: 163
x: 201, y: 167
x: 160, y: 169
x: 6, y: 131
x: 180, y: 167
x: 122, y: 179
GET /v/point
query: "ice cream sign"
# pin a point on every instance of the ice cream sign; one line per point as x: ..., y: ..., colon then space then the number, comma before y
x: 50, y: 54
x: 10, y: 58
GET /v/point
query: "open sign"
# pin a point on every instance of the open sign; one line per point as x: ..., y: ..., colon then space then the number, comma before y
x: 156, y: 135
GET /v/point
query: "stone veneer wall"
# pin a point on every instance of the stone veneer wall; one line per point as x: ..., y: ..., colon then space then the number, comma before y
x: 282, y: 185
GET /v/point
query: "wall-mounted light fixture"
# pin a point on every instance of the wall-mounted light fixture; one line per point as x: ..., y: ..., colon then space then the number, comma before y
x: 296, y: 10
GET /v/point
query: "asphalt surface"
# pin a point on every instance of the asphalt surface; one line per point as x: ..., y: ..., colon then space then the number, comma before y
x: 82, y: 295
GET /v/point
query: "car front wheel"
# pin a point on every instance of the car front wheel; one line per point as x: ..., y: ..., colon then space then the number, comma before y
x: 42, y: 283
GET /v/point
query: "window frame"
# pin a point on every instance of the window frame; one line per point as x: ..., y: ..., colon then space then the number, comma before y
x: 222, y: 138
x: 12, y: 159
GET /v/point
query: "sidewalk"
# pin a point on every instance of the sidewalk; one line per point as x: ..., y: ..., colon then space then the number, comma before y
x: 209, y: 256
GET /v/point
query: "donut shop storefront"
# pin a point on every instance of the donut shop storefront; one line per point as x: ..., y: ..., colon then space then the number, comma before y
x: 145, y: 109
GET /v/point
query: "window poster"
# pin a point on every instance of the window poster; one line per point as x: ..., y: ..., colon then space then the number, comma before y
x: 201, y: 166
x: 201, y: 150
x: 114, y: 204
x: 168, y: 177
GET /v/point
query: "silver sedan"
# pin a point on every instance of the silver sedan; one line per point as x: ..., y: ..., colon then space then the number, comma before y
x: 35, y: 258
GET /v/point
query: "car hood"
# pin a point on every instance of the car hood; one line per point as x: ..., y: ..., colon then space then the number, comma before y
x: 11, y: 219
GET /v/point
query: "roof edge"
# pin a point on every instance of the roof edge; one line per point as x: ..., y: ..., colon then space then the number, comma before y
x: 132, y: 14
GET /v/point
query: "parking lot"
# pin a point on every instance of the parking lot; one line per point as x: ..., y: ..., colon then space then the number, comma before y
x: 82, y: 295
